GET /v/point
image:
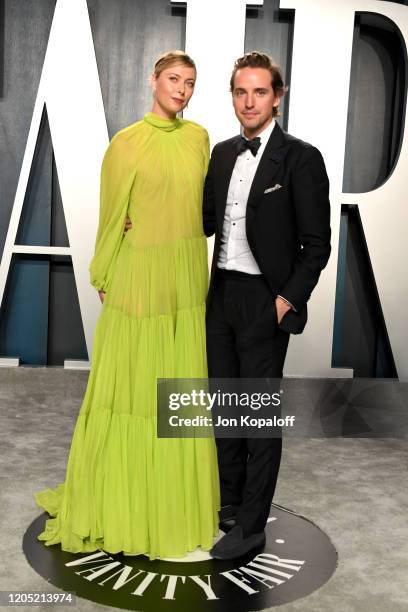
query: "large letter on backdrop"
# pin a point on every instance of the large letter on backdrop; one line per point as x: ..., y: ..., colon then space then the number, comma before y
x: 215, y: 37
x: 215, y: 34
x: 318, y: 113
x: 70, y: 89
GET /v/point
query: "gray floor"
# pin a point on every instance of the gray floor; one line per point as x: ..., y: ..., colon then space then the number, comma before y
x: 354, y: 489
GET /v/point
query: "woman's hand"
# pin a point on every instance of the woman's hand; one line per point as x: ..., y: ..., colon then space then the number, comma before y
x: 128, y: 225
x: 102, y: 295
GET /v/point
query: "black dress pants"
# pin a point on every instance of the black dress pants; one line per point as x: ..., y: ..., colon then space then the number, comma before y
x: 245, y: 341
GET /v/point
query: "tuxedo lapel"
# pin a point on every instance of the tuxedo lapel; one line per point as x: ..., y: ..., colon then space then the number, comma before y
x: 228, y: 162
x: 269, y: 165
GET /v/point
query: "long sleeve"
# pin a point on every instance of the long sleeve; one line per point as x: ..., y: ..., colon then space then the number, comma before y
x: 117, y: 176
x: 209, y: 199
x: 310, y: 186
x: 206, y: 150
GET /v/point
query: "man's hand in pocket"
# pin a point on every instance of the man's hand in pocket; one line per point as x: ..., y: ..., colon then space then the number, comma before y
x: 282, y: 308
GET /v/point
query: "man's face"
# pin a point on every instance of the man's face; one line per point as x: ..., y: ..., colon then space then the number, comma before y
x: 253, y: 99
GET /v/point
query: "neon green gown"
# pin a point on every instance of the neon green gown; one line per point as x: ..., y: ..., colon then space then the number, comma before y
x: 126, y: 490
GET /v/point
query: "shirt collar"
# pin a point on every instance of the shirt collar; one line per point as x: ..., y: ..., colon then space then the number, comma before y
x: 265, y: 134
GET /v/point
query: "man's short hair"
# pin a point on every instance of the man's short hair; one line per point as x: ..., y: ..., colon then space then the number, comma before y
x: 255, y: 59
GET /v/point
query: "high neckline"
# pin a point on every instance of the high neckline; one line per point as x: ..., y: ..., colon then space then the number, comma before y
x: 167, y: 125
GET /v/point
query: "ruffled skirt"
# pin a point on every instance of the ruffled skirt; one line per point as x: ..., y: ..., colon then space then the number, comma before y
x: 126, y: 490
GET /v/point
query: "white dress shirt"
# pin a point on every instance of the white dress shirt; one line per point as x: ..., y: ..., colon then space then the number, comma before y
x: 235, y: 252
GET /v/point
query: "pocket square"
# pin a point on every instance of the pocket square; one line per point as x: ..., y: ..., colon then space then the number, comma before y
x: 274, y: 188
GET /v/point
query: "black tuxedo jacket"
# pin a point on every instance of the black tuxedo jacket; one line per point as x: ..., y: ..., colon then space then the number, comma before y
x: 288, y: 229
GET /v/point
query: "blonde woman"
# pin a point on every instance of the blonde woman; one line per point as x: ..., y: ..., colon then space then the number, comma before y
x: 125, y: 489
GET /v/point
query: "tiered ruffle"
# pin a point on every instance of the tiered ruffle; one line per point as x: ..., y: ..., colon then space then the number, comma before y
x: 125, y: 489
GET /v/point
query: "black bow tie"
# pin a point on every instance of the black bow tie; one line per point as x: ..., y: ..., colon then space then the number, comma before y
x: 253, y: 145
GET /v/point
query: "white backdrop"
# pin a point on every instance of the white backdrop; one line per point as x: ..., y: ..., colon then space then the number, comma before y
x: 322, y: 47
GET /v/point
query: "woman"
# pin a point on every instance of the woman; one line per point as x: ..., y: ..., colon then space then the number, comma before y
x: 125, y: 489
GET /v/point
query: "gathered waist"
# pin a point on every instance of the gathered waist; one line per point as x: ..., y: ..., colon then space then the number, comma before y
x: 179, y: 243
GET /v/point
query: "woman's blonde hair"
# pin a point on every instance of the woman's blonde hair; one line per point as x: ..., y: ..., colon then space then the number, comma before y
x: 169, y: 59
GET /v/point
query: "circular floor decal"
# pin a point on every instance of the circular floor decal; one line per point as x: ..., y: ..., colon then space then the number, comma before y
x: 298, y: 558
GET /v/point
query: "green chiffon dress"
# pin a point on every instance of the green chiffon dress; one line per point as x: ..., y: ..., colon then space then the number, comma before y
x: 126, y: 490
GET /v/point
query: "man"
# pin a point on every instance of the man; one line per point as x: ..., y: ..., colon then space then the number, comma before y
x: 266, y: 201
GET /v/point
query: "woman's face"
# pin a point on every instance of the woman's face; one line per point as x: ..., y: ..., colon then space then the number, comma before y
x: 172, y: 89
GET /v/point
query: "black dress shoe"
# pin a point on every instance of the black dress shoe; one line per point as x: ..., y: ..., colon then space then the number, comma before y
x: 234, y: 545
x: 227, y: 516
